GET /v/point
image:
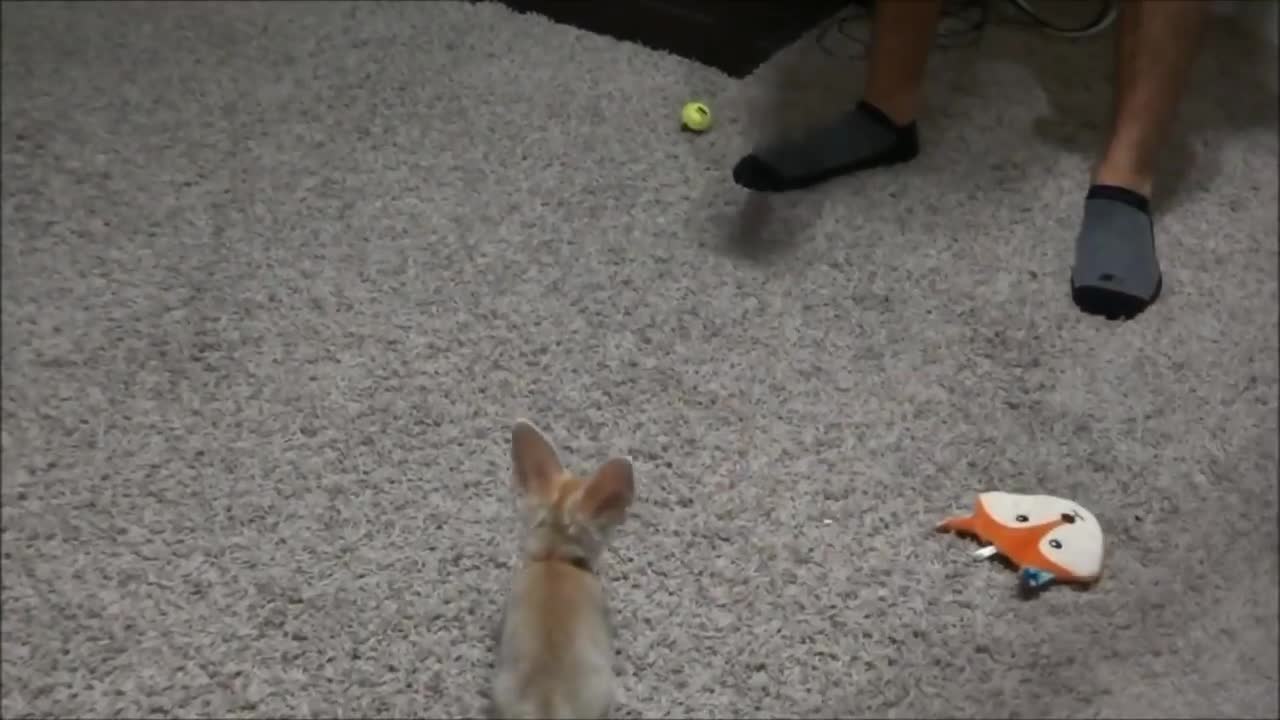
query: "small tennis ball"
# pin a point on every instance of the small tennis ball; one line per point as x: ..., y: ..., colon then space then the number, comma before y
x: 695, y: 116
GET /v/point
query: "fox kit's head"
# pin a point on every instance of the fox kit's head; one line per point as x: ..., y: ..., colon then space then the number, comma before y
x: 570, y: 516
x: 1056, y: 537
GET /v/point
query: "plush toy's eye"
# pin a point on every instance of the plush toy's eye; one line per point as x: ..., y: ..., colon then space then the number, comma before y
x: 1056, y: 544
x: 1022, y: 518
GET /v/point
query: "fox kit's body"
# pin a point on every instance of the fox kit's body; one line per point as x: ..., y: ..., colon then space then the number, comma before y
x: 555, y: 653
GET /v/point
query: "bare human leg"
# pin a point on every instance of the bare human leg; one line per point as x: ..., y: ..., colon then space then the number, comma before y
x: 1156, y: 45
x: 1116, y: 271
x: 880, y: 130
x: 902, y: 33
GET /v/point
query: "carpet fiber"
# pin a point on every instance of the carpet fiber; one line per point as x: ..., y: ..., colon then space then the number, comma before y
x: 278, y: 277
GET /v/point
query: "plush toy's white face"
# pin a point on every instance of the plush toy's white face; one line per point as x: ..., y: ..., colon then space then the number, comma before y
x: 1063, y: 532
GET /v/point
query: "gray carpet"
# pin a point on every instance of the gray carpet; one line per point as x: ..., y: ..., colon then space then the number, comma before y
x: 277, y: 279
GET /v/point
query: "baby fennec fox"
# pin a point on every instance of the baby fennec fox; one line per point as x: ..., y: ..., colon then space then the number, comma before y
x: 555, y: 655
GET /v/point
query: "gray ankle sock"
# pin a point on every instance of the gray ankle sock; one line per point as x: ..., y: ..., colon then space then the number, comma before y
x: 1116, y: 272
x: 862, y: 138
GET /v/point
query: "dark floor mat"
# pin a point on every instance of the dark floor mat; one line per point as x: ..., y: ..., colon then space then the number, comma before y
x: 735, y: 37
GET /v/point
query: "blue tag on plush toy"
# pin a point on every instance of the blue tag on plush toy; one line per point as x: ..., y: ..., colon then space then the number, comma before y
x: 1034, y: 578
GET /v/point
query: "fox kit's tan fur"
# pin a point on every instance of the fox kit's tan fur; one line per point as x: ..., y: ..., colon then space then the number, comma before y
x: 555, y: 655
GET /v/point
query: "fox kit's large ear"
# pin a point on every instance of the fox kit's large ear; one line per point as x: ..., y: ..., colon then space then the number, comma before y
x: 534, y: 462
x: 607, y: 496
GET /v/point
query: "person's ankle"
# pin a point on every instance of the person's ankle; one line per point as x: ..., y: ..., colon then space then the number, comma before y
x: 1125, y: 175
x: 902, y: 110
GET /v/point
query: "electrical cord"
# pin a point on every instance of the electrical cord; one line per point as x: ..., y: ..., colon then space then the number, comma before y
x: 1101, y: 20
x: 847, y: 35
x: 962, y: 23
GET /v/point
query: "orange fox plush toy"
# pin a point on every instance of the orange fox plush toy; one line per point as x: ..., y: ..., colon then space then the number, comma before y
x: 1048, y: 538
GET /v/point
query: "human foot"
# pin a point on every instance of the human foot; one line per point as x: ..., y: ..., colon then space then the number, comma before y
x: 862, y: 138
x: 1116, y: 272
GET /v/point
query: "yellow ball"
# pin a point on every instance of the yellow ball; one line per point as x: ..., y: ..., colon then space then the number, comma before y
x: 696, y: 116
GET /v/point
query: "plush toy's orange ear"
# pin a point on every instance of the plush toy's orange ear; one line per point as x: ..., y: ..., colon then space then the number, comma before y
x: 958, y: 525
x: 965, y: 524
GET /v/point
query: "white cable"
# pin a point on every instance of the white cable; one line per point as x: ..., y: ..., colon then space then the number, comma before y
x: 1101, y: 22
